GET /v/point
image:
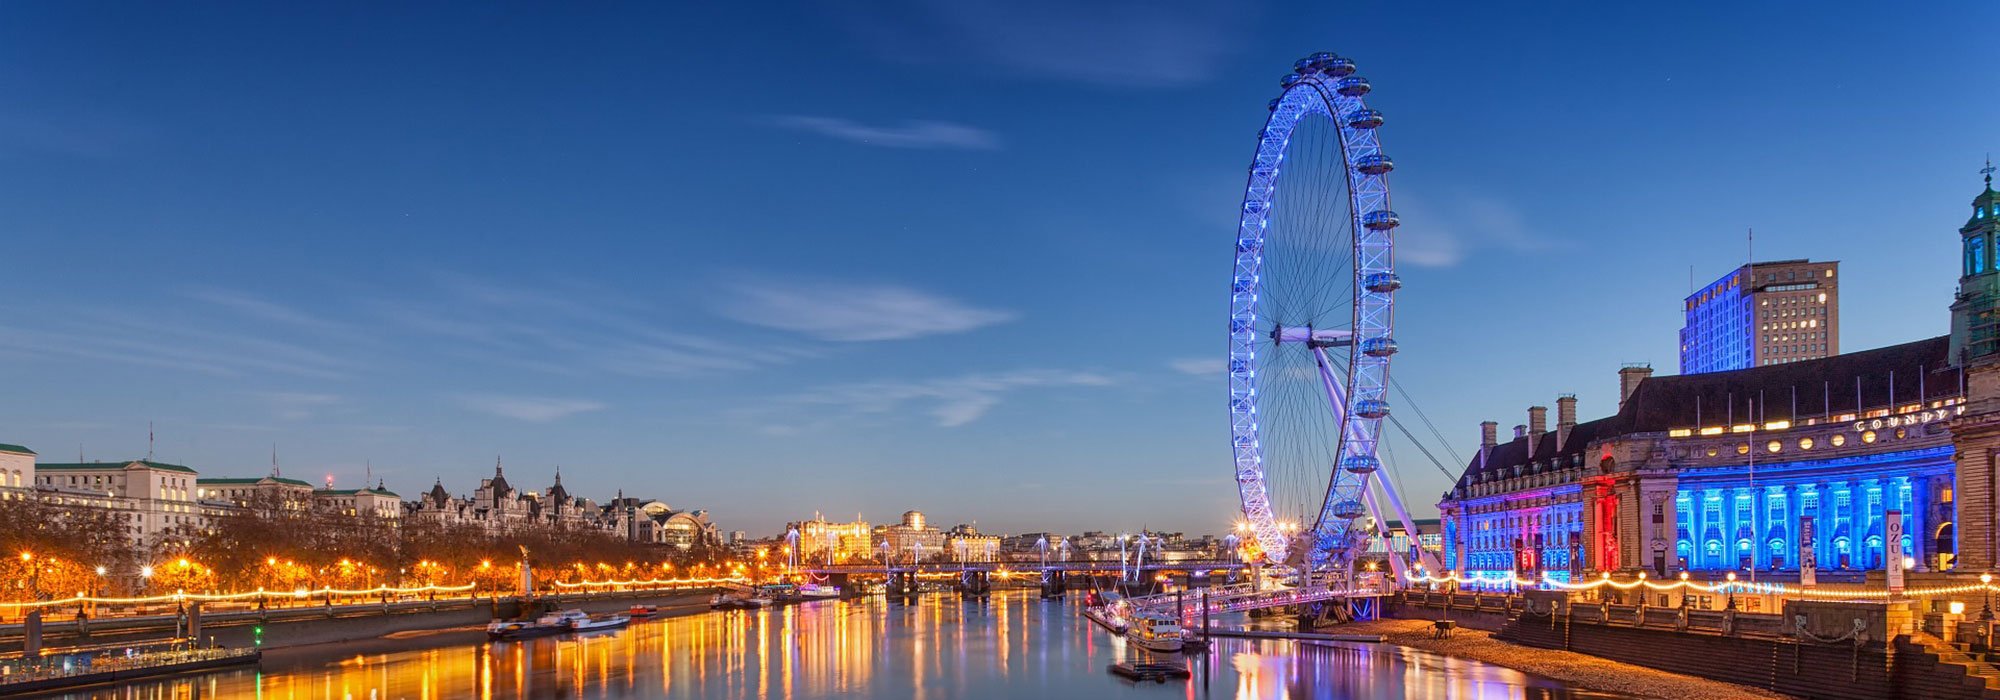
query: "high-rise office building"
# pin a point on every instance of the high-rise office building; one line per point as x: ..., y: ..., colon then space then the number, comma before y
x: 1763, y: 313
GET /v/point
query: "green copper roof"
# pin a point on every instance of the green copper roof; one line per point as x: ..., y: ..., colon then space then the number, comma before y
x: 16, y: 449
x: 354, y: 492
x: 162, y: 466
x: 250, y: 480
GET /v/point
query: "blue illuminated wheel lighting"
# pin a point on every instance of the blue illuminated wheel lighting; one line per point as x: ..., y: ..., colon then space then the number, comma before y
x: 1311, y: 315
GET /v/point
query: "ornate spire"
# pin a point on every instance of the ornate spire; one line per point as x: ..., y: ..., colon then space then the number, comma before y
x: 1988, y: 171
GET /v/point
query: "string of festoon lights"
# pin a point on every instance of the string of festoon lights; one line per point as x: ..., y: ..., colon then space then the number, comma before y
x: 183, y: 596
x: 656, y: 582
x: 1728, y: 585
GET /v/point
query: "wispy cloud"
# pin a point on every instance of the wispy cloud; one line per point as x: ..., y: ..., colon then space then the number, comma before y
x: 1144, y: 43
x: 851, y: 312
x: 260, y: 309
x: 1442, y: 236
x: 528, y: 408
x: 1199, y: 366
x: 296, y: 405
x: 950, y: 402
x: 189, y: 345
x: 569, y: 329
x: 909, y: 134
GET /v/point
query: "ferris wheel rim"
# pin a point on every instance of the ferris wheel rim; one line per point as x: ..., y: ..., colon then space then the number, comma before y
x: 1323, y: 85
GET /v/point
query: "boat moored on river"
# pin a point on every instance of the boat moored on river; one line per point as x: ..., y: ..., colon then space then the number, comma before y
x: 1154, y: 632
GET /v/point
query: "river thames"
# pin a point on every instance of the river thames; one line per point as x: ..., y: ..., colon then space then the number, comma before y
x: 1014, y: 645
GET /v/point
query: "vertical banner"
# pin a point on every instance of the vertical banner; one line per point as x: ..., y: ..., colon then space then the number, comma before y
x: 1892, y: 549
x: 1808, y: 557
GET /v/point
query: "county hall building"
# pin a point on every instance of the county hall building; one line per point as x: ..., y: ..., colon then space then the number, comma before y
x: 1716, y: 471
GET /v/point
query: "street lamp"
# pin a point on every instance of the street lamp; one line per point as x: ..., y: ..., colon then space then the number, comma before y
x: 1731, y: 605
x: 1986, y: 582
x: 1684, y: 589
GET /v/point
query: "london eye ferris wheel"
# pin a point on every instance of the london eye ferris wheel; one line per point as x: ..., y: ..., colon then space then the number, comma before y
x: 1311, y: 319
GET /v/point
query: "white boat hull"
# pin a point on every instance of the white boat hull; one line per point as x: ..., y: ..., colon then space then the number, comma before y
x: 1163, y: 645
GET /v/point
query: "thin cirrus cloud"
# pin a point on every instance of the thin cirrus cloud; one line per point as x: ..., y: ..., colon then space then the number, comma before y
x: 530, y: 409
x: 850, y: 312
x: 920, y: 134
x: 1443, y: 236
x: 949, y: 402
x: 1121, y: 43
x: 1198, y: 366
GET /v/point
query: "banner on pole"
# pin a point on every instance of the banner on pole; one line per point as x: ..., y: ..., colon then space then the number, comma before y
x: 1808, y: 558
x: 1892, y: 549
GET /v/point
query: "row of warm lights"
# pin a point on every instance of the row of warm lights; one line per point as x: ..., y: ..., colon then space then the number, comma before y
x: 180, y: 596
x: 657, y: 582
x: 1876, y: 420
x: 1729, y: 584
x: 144, y: 571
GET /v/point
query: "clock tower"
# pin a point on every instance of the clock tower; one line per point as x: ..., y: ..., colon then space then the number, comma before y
x: 1975, y: 313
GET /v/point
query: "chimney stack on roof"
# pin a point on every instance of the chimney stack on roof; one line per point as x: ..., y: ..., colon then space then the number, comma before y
x: 1565, y: 418
x: 1538, y: 425
x: 1489, y: 433
x: 1520, y: 431
x: 1629, y: 377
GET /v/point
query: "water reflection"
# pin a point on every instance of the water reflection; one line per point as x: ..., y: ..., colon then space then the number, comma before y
x: 1013, y: 646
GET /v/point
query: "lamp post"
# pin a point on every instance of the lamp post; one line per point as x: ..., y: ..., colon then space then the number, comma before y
x: 1731, y: 588
x: 1986, y: 612
x: 1684, y: 589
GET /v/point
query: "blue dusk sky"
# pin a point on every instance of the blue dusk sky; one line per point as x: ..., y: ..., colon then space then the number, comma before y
x: 967, y: 257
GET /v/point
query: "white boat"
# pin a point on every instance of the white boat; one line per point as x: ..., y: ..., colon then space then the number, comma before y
x: 588, y: 624
x: 552, y: 623
x: 1154, y: 632
x: 814, y: 591
x: 739, y: 601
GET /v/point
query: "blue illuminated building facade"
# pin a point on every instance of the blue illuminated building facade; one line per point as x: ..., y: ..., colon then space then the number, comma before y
x: 1713, y: 472
x: 1769, y: 426
x: 1716, y: 335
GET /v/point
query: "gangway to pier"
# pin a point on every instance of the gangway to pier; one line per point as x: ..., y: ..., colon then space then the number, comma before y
x: 1244, y: 598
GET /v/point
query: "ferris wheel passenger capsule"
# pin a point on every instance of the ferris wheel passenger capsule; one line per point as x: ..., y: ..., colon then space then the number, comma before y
x: 1382, y: 282
x: 1272, y: 106
x: 1352, y: 86
x: 1303, y: 66
x: 1364, y: 119
x: 1290, y: 80
x: 1360, y: 464
x: 1371, y: 409
x: 1348, y: 510
x: 1380, y: 220
x: 1338, y: 67
x: 1374, y: 164
x: 1378, y: 347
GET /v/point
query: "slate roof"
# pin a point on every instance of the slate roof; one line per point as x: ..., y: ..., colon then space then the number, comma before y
x: 1846, y: 383
x: 162, y: 466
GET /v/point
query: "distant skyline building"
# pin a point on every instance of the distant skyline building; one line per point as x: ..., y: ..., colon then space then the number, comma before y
x: 1763, y: 313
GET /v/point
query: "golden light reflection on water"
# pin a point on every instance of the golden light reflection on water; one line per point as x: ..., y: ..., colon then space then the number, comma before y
x: 1012, y: 646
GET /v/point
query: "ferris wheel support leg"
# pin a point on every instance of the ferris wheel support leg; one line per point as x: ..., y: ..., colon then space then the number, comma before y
x: 1409, y: 527
x: 1397, y: 566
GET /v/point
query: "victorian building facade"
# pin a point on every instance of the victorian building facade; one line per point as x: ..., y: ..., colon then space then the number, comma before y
x: 1883, y: 457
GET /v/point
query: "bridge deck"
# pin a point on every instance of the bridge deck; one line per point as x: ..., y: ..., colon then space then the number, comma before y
x: 1242, y: 599
x: 1080, y: 566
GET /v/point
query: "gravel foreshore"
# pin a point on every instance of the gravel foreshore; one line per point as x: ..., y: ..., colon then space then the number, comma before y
x: 1580, y: 670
